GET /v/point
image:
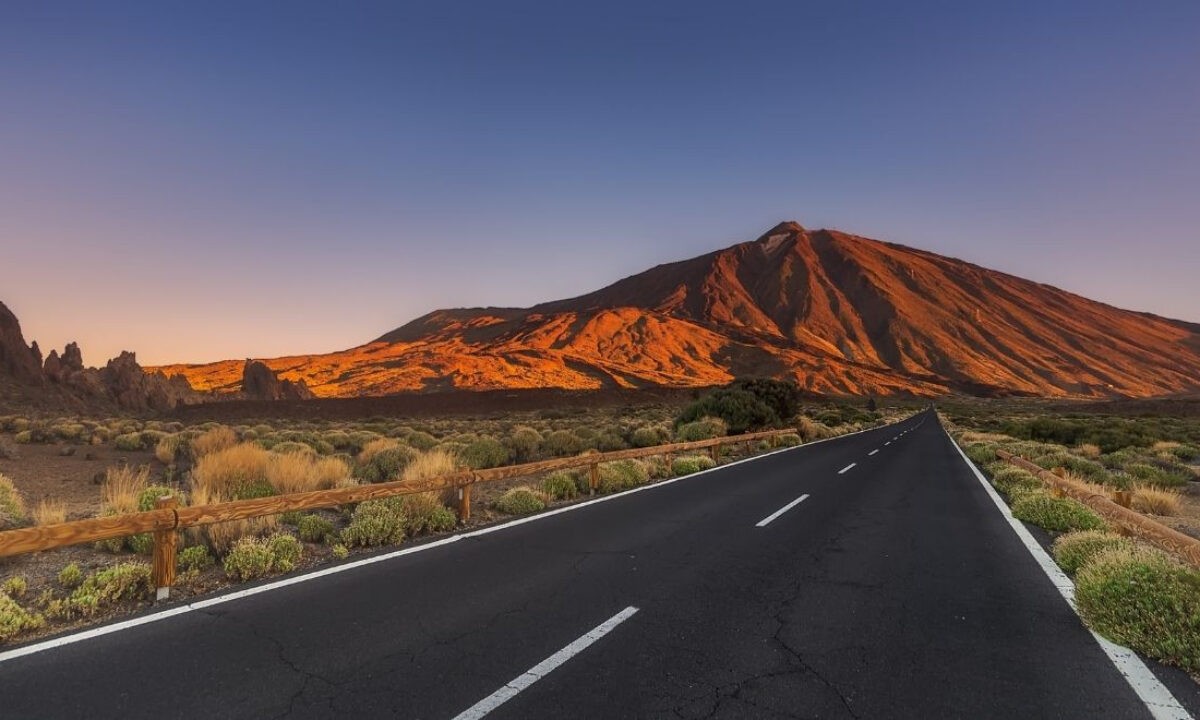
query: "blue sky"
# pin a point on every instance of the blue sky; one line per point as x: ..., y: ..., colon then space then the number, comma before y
x: 197, y: 181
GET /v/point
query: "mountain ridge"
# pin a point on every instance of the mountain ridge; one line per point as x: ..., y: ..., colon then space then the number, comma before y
x: 839, y: 313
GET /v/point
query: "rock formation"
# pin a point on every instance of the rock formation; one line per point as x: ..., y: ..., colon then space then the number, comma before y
x: 259, y: 382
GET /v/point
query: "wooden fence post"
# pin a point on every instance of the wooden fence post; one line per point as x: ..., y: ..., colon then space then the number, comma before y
x: 594, y: 477
x: 715, y: 450
x: 1124, y: 498
x: 163, y: 572
x: 464, y: 502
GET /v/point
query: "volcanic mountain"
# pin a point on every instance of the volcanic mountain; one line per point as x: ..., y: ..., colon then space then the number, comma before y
x: 838, y: 313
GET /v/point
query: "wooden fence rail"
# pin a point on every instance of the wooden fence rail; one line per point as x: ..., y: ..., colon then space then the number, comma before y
x: 167, y: 519
x: 1132, y: 522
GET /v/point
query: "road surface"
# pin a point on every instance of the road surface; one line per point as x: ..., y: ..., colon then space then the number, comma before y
x: 869, y: 576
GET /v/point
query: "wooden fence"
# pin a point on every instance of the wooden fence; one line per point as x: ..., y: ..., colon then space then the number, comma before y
x: 1115, y: 510
x: 167, y: 519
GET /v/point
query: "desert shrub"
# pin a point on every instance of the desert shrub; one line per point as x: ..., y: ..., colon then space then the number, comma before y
x: 981, y: 453
x: 129, y: 442
x: 520, y: 501
x: 562, y: 442
x: 781, y: 396
x: 384, y: 465
x: 340, y: 551
x: 123, y: 485
x: 314, y: 528
x: 70, y: 576
x: 1088, y: 469
x: 16, y: 586
x: 622, y: 475
x: 68, y: 431
x: 24, y: 437
x: 485, y: 453
x: 425, y: 513
x: 376, y: 522
x: 786, y: 440
x: 1158, y: 474
x: 125, y: 582
x: 524, y: 443
x: 740, y: 410
x: 560, y: 485
x: 811, y: 430
x: 1143, y: 599
x: 15, y: 619
x: 236, y: 472
x: 147, y: 497
x: 649, y: 436
x: 430, y: 465
x: 213, y: 440
x: 1073, y: 550
x: 151, y: 438
x: 303, y: 471
x: 12, y: 506
x: 421, y: 440
x: 609, y: 441
x: 688, y: 464
x: 1053, y: 513
x: 194, y: 558
x: 657, y: 467
x: 168, y: 449
x: 254, y: 557
x: 1185, y: 453
x: 1013, y: 481
x: 1155, y: 500
x: 1089, y: 450
x: 702, y: 429
x: 290, y: 447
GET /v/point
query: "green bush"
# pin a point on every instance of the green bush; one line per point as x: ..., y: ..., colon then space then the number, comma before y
x: 786, y: 440
x: 376, y: 522
x: 1185, y: 453
x: 524, y: 442
x: 129, y: 442
x: 126, y: 582
x: 520, y: 501
x: 1162, y: 474
x: 253, y: 557
x: 1144, y: 600
x: 981, y: 453
x: 285, y: 552
x: 1012, y: 481
x: 70, y: 576
x: 740, y: 410
x: 1051, y: 513
x: 340, y: 551
x: 484, y: 453
x: 15, y: 619
x: 1073, y: 550
x: 24, y: 437
x: 385, y: 465
x: 560, y: 485
x: 15, y: 586
x: 425, y: 513
x: 289, y: 446
x: 421, y: 440
x: 688, y: 464
x: 12, y: 506
x: 701, y: 429
x: 314, y: 528
x: 648, y: 436
x: 562, y: 442
x: 622, y: 475
x: 781, y: 396
x: 194, y: 559
x: 1088, y: 469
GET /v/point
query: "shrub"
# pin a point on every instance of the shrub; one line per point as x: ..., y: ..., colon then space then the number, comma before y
x: 70, y: 576
x: 648, y: 436
x: 24, y: 437
x: 69, y: 431
x: 15, y: 619
x: 1089, y: 469
x: 213, y: 440
x: 1143, y: 599
x: 376, y: 522
x: 421, y: 440
x: 1089, y: 450
x: 688, y: 464
x: 981, y: 453
x: 340, y: 551
x: 256, y: 557
x: 1157, y: 501
x: 15, y: 586
x: 289, y: 447
x: 520, y: 501
x: 701, y: 429
x: 122, y: 488
x: 425, y: 513
x: 610, y: 441
x: 12, y: 505
x: 1165, y: 474
x: 560, y: 485
x: 383, y: 465
x: 524, y: 442
x: 129, y: 442
x: 622, y: 475
x: 302, y: 472
x: 194, y: 559
x: 562, y: 442
x: 1073, y: 550
x: 167, y: 449
x: 314, y: 528
x: 781, y: 396
x: 1052, y: 513
x: 485, y: 453
x: 285, y: 552
x: 103, y: 588
x: 236, y: 472
x: 740, y: 410
x: 1012, y: 481
x: 786, y: 440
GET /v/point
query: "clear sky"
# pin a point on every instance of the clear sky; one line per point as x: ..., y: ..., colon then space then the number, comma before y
x: 198, y: 181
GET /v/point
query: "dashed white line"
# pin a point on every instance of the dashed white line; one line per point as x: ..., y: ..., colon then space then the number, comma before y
x: 544, y: 668
x: 872, y: 452
x: 889, y: 442
x: 846, y: 469
x: 780, y: 511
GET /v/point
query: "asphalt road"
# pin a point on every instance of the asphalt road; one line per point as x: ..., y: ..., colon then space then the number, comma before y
x: 895, y: 589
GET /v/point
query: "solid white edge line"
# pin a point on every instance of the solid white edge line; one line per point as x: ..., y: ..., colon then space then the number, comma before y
x: 847, y: 468
x: 1158, y: 700
x: 767, y: 520
x: 72, y: 638
x: 544, y: 668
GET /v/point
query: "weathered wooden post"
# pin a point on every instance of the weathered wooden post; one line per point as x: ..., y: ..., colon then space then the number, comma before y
x: 715, y: 451
x: 464, y: 502
x: 594, y: 477
x: 163, y: 571
x: 1124, y: 498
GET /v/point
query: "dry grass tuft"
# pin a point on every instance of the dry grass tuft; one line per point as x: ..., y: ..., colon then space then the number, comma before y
x: 1089, y: 450
x: 971, y: 436
x: 374, y: 447
x: 1155, y: 500
x: 214, y: 440
x: 299, y: 472
x: 224, y: 472
x: 50, y: 512
x: 222, y: 536
x: 122, y: 486
x: 429, y: 465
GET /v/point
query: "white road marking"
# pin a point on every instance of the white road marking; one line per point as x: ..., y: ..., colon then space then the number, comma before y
x: 845, y: 469
x: 872, y: 452
x: 344, y: 567
x: 1153, y: 694
x: 765, y: 521
x: 889, y: 442
x: 544, y: 668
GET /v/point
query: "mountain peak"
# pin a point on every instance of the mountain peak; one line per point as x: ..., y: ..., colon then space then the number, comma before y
x: 787, y: 227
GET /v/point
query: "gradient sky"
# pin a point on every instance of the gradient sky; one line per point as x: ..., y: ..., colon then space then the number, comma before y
x: 199, y: 181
